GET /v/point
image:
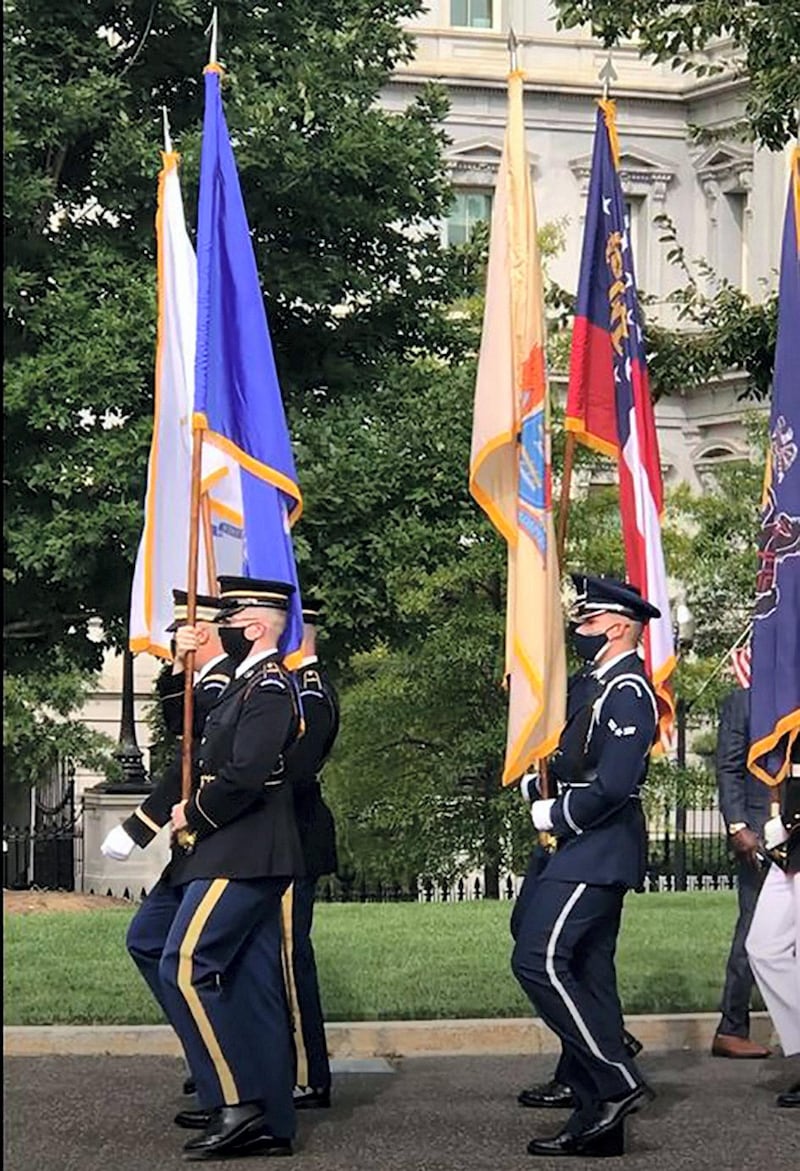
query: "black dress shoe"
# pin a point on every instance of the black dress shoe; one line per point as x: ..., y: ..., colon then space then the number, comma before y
x: 612, y: 1112
x: 229, y: 1128
x: 192, y: 1119
x: 791, y: 1097
x: 307, y: 1098
x: 267, y: 1146
x: 189, y: 1087
x: 552, y: 1095
x: 633, y: 1046
x: 610, y: 1143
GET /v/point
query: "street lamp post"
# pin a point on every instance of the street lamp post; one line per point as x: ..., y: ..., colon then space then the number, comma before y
x: 128, y: 752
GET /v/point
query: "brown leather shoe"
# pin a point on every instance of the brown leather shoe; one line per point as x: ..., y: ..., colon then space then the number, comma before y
x: 725, y: 1045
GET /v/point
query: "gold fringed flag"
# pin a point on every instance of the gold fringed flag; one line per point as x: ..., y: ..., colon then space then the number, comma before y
x: 510, y: 471
x: 775, y: 667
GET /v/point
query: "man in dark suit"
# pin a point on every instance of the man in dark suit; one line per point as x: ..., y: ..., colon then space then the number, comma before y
x: 744, y: 802
x: 304, y: 763
x: 207, y: 938
x: 567, y: 933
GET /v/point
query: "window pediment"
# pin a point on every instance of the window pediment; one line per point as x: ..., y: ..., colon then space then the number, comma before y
x: 641, y: 173
x: 474, y: 162
x: 725, y: 167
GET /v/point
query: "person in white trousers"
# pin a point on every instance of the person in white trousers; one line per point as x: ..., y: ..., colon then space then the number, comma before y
x: 773, y: 942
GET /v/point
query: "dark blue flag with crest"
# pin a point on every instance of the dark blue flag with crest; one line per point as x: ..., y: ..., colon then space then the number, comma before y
x: 775, y: 668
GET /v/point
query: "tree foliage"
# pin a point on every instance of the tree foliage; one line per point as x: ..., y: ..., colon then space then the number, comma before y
x: 340, y: 196
x: 757, y: 40
x: 37, y: 729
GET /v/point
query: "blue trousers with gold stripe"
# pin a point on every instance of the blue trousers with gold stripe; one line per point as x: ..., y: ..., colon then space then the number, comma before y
x: 210, y: 952
x: 304, y: 967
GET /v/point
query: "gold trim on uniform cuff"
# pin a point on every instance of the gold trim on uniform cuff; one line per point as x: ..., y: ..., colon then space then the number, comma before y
x: 148, y: 821
x: 200, y: 810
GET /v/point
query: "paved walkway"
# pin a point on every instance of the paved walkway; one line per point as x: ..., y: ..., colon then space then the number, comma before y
x: 430, y: 1114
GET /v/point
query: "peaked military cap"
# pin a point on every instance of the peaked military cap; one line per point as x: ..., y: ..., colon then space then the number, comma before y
x: 312, y: 609
x: 602, y: 595
x: 239, y: 593
x: 206, y: 611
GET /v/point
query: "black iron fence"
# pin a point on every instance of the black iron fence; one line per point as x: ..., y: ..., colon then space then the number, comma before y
x: 421, y: 890
x: 688, y: 850
x: 47, y: 852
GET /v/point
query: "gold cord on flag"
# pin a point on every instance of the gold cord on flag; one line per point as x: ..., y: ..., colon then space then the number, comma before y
x: 609, y: 108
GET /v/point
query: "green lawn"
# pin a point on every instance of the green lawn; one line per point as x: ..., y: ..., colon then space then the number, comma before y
x: 378, y: 961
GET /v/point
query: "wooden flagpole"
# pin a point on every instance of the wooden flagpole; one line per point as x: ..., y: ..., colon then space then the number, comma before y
x: 184, y: 836
x: 563, y: 504
x: 191, y: 614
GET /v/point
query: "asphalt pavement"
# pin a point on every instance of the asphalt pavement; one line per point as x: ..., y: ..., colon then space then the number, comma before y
x: 429, y: 1114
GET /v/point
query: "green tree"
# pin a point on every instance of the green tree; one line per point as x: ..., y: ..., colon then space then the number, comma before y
x: 339, y: 193
x: 415, y: 776
x: 340, y: 196
x: 758, y: 40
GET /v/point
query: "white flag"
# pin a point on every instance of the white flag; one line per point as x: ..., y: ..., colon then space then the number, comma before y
x: 162, y: 559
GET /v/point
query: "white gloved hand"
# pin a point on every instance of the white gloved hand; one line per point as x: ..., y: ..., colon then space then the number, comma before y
x: 540, y: 814
x: 117, y: 844
x: 529, y: 787
x: 775, y: 833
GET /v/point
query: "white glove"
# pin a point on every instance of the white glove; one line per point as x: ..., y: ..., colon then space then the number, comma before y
x: 540, y: 814
x: 528, y: 786
x: 775, y: 833
x: 117, y: 844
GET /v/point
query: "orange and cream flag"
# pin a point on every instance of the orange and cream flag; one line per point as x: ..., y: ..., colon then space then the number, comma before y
x: 164, y: 546
x: 510, y: 465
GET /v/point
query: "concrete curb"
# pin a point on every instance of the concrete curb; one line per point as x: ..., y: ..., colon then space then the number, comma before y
x: 361, y: 1039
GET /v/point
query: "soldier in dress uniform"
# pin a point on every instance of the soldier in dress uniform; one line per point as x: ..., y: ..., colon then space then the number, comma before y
x: 213, y: 668
x: 213, y: 672
x: 566, y: 934
x: 773, y: 942
x: 211, y: 926
x: 304, y: 762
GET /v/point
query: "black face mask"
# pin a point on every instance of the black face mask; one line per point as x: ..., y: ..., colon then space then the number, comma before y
x: 235, y: 642
x: 587, y: 646
x: 173, y: 646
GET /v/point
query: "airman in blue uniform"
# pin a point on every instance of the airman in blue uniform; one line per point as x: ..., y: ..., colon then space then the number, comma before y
x: 566, y: 934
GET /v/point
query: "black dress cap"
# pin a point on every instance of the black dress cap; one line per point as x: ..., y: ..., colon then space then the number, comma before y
x: 206, y: 611
x: 239, y: 593
x: 312, y: 609
x: 602, y: 595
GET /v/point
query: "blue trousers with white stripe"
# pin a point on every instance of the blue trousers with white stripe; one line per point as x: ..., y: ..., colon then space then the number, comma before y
x: 563, y: 959
x: 211, y: 953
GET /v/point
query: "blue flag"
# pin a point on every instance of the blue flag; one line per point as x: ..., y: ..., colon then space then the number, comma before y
x: 775, y: 670
x: 237, y: 396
